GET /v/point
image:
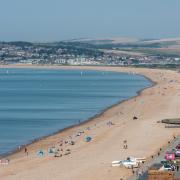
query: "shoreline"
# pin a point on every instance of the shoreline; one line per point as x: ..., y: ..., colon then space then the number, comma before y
x: 150, y: 104
x: 16, y: 150
x: 36, y: 140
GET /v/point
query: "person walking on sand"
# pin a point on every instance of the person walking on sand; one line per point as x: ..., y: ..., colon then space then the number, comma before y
x: 125, y: 146
x: 26, y: 151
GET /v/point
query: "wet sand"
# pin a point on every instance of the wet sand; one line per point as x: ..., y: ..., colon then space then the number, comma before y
x: 92, y: 160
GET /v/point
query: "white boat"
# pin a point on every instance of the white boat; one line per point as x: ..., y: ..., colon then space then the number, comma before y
x: 116, y: 163
x: 139, y: 160
x: 130, y: 162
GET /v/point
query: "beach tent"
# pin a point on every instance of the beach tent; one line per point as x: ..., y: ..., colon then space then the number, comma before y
x: 52, y: 151
x: 88, y: 139
x: 40, y: 153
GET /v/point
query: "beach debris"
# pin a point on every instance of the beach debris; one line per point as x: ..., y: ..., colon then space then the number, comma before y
x: 88, y: 139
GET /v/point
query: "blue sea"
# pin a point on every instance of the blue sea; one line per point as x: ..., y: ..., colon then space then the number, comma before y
x: 38, y: 102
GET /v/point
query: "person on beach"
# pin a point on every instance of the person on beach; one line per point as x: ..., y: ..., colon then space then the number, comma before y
x: 125, y: 146
x: 177, y: 168
x: 26, y: 151
x: 140, y: 174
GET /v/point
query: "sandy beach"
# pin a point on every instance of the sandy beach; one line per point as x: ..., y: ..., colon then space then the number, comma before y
x: 92, y: 160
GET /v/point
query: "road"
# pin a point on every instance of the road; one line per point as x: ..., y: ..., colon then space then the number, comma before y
x: 156, y: 160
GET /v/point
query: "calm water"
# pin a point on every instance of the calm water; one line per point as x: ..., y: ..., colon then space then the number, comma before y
x: 35, y: 103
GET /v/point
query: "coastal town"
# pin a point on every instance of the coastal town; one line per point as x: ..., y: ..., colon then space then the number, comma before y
x: 72, y: 54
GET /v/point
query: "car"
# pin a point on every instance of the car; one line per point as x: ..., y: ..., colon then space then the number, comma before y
x: 178, y: 146
x: 167, y: 167
x: 177, y: 154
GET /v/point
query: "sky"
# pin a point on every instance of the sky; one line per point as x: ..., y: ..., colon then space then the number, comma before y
x: 55, y: 20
